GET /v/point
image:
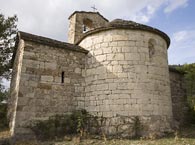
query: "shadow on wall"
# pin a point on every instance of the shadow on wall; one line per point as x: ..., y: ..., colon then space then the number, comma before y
x: 127, y: 77
x: 117, y: 80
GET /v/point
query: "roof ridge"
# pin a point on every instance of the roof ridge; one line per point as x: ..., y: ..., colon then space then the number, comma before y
x: 50, y: 42
x: 125, y: 24
x: 89, y: 12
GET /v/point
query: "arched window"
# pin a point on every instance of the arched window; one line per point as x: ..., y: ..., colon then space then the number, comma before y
x: 151, y: 47
x: 87, y: 25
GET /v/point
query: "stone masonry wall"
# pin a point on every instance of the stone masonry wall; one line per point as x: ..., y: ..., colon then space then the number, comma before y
x: 179, y: 98
x: 124, y: 79
x: 14, y: 86
x: 41, y: 91
x: 76, y: 24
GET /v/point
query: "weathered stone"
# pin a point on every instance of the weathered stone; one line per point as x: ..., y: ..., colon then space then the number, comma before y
x: 101, y: 58
x: 76, y: 24
x: 67, y: 80
x: 47, y: 78
x: 44, y: 86
x: 117, y: 72
x: 179, y: 97
x: 77, y: 70
x: 132, y: 56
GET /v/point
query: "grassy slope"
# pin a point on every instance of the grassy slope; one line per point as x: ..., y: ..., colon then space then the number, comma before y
x: 184, y: 137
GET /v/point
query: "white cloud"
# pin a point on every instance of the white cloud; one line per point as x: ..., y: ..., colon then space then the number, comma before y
x: 50, y: 17
x: 174, y: 4
x: 182, y: 49
x: 180, y: 36
x: 147, y: 11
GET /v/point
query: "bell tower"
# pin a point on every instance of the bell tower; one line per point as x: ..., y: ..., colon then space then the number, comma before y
x: 81, y: 22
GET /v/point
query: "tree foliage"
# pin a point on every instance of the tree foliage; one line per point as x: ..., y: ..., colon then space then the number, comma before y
x: 189, y: 74
x: 8, y: 30
x: 3, y: 109
x: 189, y: 70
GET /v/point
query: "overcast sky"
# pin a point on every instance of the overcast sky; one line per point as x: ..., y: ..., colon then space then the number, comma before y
x: 49, y: 18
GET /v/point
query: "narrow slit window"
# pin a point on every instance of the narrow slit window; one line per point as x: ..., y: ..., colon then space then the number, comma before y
x: 62, y: 77
x: 84, y: 28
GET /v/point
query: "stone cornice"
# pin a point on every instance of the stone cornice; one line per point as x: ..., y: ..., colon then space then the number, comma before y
x: 122, y: 24
x: 84, y: 12
x: 50, y: 42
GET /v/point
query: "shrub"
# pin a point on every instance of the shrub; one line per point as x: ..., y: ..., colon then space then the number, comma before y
x: 3, y: 117
x: 60, y: 125
x: 191, y: 115
x: 137, y: 127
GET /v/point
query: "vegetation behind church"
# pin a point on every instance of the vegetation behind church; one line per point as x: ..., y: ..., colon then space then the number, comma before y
x: 72, y: 80
x: 8, y: 30
x: 189, y: 74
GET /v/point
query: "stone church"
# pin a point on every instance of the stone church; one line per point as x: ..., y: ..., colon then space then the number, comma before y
x: 117, y: 69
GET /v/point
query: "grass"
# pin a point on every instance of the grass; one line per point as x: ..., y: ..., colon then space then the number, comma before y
x: 186, y: 136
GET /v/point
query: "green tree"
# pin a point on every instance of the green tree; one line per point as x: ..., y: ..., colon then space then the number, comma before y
x: 8, y: 30
x: 189, y: 70
x: 189, y: 74
x: 3, y: 110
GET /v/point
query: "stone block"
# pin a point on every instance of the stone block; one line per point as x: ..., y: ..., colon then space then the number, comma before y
x: 130, y: 43
x: 102, y: 87
x: 132, y: 56
x: 77, y: 70
x: 104, y: 107
x: 107, y: 114
x: 23, y: 101
x: 113, y: 62
x: 125, y: 95
x: 30, y: 63
x: 122, y: 86
x: 47, y: 78
x: 32, y: 83
x: 102, y: 76
x: 112, y: 86
x: 57, y: 79
x: 101, y: 58
x: 66, y: 80
x: 117, y: 56
x: 50, y: 65
x: 98, y: 40
x: 107, y: 50
x: 122, y: 75
x: 104, y: 45
x: 116, y: 49
x: 119, y: 37
x: 98, y: 52
x: 113, y: 43
x: 108, y: 38
x: 121, y: 43
x: 117, y: 68
x: 143, y: 50
x: 129, y: 49
x: 100, y: 70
